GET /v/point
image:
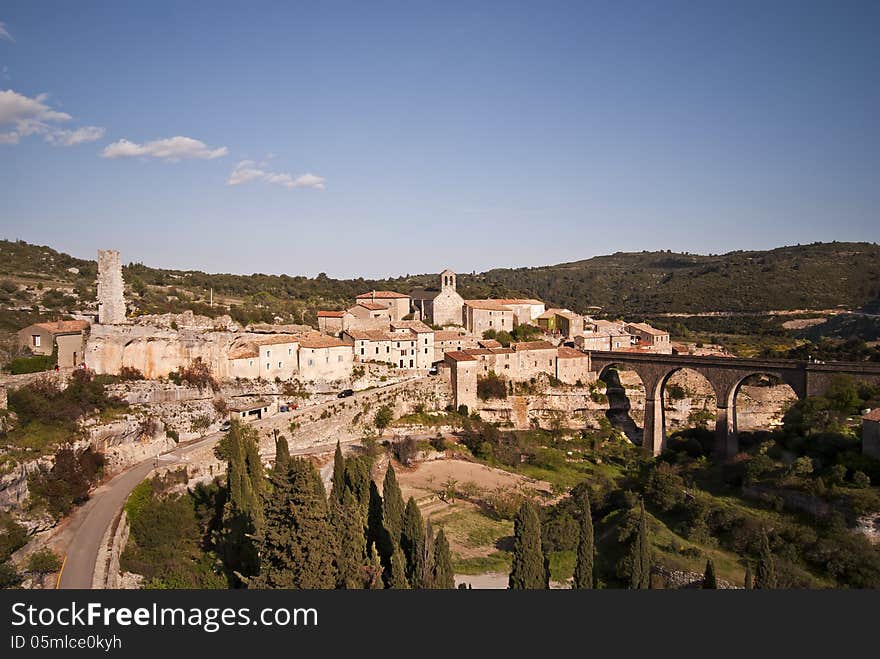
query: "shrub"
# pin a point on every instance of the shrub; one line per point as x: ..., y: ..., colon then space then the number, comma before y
x: 68, y: 482
x: 13, y: 536
x: 44, y: 561
x: 406, y: 450
x: 491, y: 386
x: 861, y: 480
x: 130, y: 373
x: 196, y: 374
x: 384, y: 417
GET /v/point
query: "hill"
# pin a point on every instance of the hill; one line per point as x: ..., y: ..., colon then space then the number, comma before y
x: 816, y: 276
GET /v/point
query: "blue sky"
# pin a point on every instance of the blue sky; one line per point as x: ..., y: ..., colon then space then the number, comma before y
x: 384, y: 138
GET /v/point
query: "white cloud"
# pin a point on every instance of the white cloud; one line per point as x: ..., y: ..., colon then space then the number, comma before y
x: 249, y: 170
x: 171, y: 149
x: 74, y: 137
x: 21, y: 116
x: 4, y: 33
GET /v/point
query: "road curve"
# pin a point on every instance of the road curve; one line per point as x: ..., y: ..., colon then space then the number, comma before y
x: 97, y: 515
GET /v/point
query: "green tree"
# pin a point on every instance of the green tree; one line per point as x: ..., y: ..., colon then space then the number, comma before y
x: 296, y: 544
x: 384, y: 417
x: 709, y: 580
x: 377, y: 536
x: 640, y: 554
x: 397, y: 573
x: 765, y: 574
x: 527, y: 571
x: 351, y: 545
x: 392, y: 506
x: 282, y: 456
x: 583, y: 569
x: 412, y: 542
x: 43, y: 562
x: 443, y: 576
x: 338, y: 485
x: 357, y: 479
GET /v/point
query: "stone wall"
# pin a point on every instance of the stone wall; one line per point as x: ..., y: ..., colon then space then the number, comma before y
x: 111, y: 303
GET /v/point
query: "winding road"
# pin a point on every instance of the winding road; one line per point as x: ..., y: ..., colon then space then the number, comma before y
x: 89, y: 523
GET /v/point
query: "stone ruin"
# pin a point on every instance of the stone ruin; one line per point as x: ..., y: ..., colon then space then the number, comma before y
x: 111, y: 303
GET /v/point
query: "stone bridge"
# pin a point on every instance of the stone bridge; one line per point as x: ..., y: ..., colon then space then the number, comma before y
x: 726, y: 375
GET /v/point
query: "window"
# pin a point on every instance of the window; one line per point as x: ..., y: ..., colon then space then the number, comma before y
x: 251, y: 362
x: 267, y: 366
x: 410, y: 363
x: 36, y: 339
x: 339, y: 358
x: 268, y: 354
x: 362, y: 351
x: 280, y: 365
x: 311, y: 362
x: 289, y: 352
x: 426, y: 351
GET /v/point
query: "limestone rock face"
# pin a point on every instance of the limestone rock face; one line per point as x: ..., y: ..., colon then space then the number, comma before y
x: 156, y: 351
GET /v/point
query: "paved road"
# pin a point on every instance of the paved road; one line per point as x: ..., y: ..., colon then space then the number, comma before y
x: 94, y: 518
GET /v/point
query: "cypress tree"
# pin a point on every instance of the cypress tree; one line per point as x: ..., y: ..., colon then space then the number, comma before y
x: 374, y: 571
x: 377, y: 536
x: 640, y: 554
x: 297, y: 544
x: 747, y: 582
x: 397, y: 574
x: 709, y: 580
x: 765, y: 574
x: 338, y: 486
x: 351, y: 545
x: 443, y: 576
x: 282, y: 456
x: 412, y: 542
x: 428, y: 557
x: 357, y: 479
x: 528, y: 570
x: 583, y: 569
x: 392, y: 506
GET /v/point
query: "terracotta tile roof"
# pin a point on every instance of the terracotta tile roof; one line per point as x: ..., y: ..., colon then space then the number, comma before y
x: 423, y: 294
x: 532, y: 345
x: 486, y: 305
x: 247, y: 351
x: 321, y: 341
x: 564, y: 352
x: 331, y: 314
x: 384, y: 295
x: 276, y: 339
x: 873, y: 415
x: 449, y: 335
x: 488, y: 343
x: 515, y: 300
x: 414, y: 325
x: 565, y: 313
x: 647, y: 329
x: 63, y: 326
x: 369, y: 335
x: 372, y: 306
x: 459, y: 356
x: 501, y: 351
x: 477, y: 351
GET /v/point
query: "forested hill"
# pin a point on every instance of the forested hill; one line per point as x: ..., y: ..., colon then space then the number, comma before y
x: 817, y: 276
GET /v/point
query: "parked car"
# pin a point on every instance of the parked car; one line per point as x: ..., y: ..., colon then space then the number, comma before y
x: 433, y: 370
x: 225, y: 426
x: 288, y: 407
x: 345, y: 393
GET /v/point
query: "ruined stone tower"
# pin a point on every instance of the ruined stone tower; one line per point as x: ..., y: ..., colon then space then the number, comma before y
x: 111, y: 304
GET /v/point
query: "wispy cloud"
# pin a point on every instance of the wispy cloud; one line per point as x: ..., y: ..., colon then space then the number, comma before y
x: 170, y: 149
x: 4, y: 33
x: 26, y: 116
x: 249, y: 170
x: 74, y: 137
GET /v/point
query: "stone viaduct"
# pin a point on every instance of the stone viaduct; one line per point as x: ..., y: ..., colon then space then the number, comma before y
x: 726, y: 375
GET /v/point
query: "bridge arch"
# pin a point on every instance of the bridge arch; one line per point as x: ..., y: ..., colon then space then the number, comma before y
x: 619, y: 404
x: 674, y: 386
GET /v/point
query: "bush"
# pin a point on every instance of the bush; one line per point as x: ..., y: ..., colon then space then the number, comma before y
x: 406, y: 450
x: 491, y: 386
x: 35, y: 364
x: 196, y: 374
x: 9, y: 576
x: 861, y: 480
x: 68, y: 482
x: 44, y: 561
x: 384, y: 417
x: 130, y: 373
x: 13, y: 536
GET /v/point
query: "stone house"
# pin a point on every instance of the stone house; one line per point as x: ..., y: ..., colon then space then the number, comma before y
x: 251, y: 411
x: 533, y: 358
x: 441, y: 306
x: 871, y: 434
x: 449, y: 340
x: 424, y: 340
x: 278, y: 357
x: 654, y: 339
x: 525, y: 310
x: 396, y: 304
x: 331, y: 322
x: 66, y: 335
x: 244, y: 362
x: 561, y: 322
x: 483, y: 315
x: 573, y: 366
x: 324, y: 359
x: 463, y: 373
x: 409, y: 344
